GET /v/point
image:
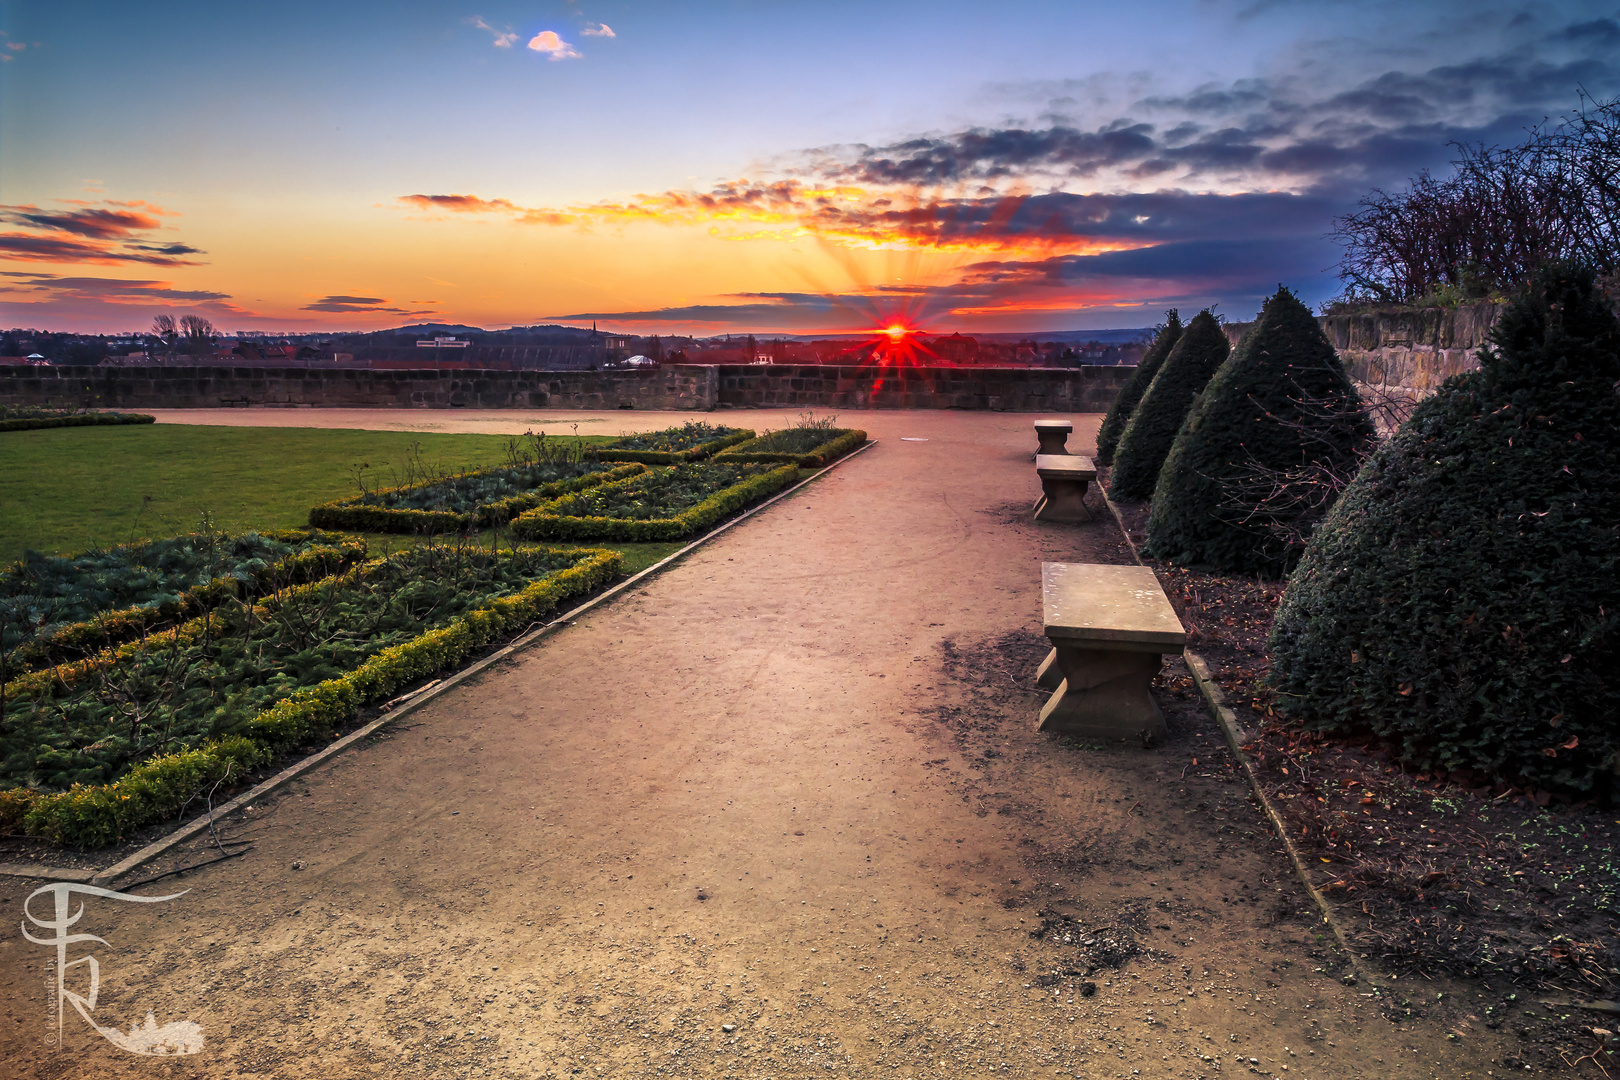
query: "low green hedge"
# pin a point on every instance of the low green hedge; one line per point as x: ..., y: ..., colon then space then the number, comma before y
x: 546, y: 523
x: 77, y: 420
x: 347, y: 514
x: 842, y: 442
x: 94, y: 815
x: 675, y: 457
x: 110, y: 628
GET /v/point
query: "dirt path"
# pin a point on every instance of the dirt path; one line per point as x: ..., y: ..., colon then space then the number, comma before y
x: 779, y: 813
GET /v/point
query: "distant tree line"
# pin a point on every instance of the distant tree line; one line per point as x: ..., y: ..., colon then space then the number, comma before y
x: 1504, y: 212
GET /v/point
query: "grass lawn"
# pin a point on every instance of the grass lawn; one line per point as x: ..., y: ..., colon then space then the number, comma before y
x: 68, y: 489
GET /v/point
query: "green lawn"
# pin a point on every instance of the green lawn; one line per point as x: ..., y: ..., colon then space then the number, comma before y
x: 68, y: 489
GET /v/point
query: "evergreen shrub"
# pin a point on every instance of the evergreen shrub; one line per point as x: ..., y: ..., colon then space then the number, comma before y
x: 810, y: 448
x: 1462, y: 599
x: 1198, y: 353
x: 1119, y: 413
x: 1280, y: 411
x: 93, y: 419
x: 675, y: 445
x: 666, y: 504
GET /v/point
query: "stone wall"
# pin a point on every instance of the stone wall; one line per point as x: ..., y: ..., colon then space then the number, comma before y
x: 1401, y: 351
x: 683, y: 387
x: 1085, y: 389
x: 161, y: 387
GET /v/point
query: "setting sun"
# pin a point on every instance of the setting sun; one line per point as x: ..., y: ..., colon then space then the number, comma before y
x: 895, y: 332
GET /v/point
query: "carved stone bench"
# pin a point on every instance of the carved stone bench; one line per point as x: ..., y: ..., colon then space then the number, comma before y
x: 1109, y: 627
x: 1064, y: 478
x: 1053, y: 436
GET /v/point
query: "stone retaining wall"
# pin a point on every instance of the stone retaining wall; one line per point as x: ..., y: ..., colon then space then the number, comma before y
x: 683, y: 387
x: 160, y: 387
x: 1085, y: 389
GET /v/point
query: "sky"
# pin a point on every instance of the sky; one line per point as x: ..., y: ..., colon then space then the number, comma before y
x: 733, y: 167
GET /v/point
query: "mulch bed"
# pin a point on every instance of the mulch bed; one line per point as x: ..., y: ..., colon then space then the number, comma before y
x: 1432, y: 875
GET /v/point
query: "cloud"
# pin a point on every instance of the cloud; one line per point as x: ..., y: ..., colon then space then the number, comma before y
x: 359, y: 305
x: 96, y: 223
x: 460, y: 204
x: 547, y: 41
x: 114, y: 290
x: 58, y: 248
x: 107, y: 233
x: 503, y: 39
x: 599, y: 30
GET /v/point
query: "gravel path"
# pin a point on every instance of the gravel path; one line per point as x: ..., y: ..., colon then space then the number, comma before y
x: 780, y: 812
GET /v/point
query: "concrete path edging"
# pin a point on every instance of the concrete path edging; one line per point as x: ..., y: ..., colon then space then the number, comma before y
x: 417, y: 698
x: 1236, y: 738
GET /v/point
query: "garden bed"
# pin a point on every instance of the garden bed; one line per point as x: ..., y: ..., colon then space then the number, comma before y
x: 104, y: 746
x: 1432, y: 875
x: 59, y: 607
x: 662, y: 504
x: 675, y: 445
x: 808, y: 448
x: 466, y: 502
x: 33, y: 417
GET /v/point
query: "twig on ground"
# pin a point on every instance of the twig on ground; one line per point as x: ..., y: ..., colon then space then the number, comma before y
x: 183, y: 869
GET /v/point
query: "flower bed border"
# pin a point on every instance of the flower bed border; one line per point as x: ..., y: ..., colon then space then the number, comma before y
x: 675, y: 457
x: 540, y: 525
x: 825, y: 454
x: 118, y: 625
x: 78, y: 420
x: 344, y: 514
x: 99, y: 814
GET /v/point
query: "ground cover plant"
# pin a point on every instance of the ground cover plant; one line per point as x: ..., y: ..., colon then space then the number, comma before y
x: 60, y: 495
x: 811, y: 444
x: 687, y: 442
x: 661, y: 504
x: 1263, y: 450
x: 1125, y: 402
x: 1198, y: 353
x: 1462, y: 600
x: 104, y: 745
x: 58, y: 607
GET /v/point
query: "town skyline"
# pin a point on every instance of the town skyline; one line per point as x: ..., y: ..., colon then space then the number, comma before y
x: 802, y: 170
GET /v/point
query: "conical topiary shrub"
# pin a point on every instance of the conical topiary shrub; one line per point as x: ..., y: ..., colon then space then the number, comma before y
x: 1119, y: 413
x: 1198, y: 354
x: 1279, y: 422
x: 1462, y: 600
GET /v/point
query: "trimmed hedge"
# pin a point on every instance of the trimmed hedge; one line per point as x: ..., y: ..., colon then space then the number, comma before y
x: 112, y: 627
x: 843, y: 441
x: 347, y: 514
x: 1462, y: 599
x: 76, y: 420
x: 674, y: 457
x: 1281, y: 402
x: 1125, y: 402
x: 87, y: 816
x: 1198, y: 353
x: 547, y: 523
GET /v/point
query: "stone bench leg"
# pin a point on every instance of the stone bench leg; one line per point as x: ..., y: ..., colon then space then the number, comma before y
x: 1049, y: 676
x: 1052, y: 441
x: 1104, y: 694
x: 1062, y: 500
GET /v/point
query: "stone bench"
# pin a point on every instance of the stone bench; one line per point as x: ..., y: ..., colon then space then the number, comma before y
x: 1109, y: 627
x: 1064, y: 478
x: 1053, y: 436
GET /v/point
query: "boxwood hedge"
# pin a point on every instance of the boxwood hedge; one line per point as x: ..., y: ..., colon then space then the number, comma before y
x: 629, y: 510
x: 1119, y: 413
x: 1462, y: 599
x: 95, y: 419
x: 836, y: 442
x: 1281, y: 402
x: 1198, y: 353
x: 672, y: 446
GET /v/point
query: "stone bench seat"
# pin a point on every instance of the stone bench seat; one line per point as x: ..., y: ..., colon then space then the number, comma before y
x: 1064, y: 478
x: 1109, y: 627
x: 1053, y: 436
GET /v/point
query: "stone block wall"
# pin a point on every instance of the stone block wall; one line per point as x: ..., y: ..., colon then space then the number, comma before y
x: 1085, y: 389
x: 162, y: 387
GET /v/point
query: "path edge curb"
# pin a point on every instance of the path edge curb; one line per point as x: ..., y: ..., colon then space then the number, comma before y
x: 418, y: 699
x: 1236, y: 738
